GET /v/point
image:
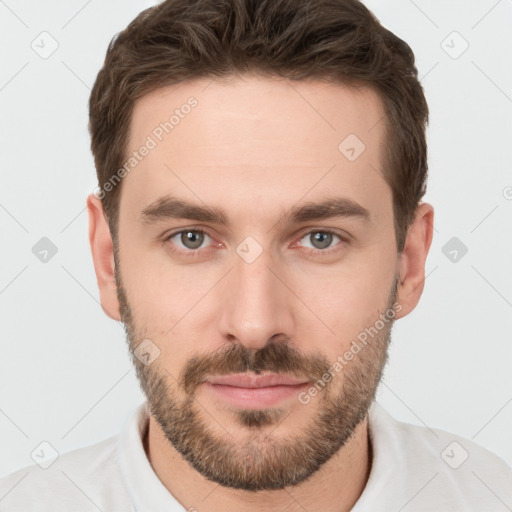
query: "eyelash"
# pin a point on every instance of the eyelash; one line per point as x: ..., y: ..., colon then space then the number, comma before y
x: 196, y: 252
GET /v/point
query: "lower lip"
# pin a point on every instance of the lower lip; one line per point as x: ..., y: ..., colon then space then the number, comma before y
x: 250, y: 398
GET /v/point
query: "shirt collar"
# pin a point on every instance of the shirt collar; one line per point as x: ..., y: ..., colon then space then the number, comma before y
x: 145, y: 488
x: 388, y: 463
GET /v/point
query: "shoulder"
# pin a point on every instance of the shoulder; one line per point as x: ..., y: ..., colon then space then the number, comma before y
x: 81, y: 480
x: 443, y: 468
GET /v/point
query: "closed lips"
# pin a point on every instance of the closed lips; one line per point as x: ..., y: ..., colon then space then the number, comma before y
x: 256, y: 381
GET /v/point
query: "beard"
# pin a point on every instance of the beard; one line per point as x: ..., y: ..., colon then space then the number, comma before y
x: 259, y: 461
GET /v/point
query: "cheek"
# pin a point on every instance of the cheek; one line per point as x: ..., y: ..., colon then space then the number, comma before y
x: 347, y: 300
x: 157, y: 291
x: 166, y: 304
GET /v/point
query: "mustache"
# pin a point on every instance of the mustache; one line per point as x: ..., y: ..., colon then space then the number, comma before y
x: 276, y: 357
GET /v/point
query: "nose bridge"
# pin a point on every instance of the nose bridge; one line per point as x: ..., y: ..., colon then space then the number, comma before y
x: 255, y: 306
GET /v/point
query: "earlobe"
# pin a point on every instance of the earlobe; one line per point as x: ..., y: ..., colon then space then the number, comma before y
x: 402, y: 269
x: 102, y: 251
x: 412, y: 260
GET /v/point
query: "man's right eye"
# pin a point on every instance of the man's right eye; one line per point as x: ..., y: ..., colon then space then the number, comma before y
x: 188, y: 240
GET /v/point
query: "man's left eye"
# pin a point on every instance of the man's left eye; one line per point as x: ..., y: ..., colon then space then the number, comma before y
x: 321, y: 240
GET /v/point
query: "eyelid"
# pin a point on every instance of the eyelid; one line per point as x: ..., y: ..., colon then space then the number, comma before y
x: 333, y: 231
x: 172, y: 233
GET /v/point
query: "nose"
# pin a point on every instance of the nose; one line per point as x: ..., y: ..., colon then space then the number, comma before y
x: 256, y: 305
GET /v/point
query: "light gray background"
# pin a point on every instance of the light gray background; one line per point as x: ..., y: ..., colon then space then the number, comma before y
x: 65, y: 375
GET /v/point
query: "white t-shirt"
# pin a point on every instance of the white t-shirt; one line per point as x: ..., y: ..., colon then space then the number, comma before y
x: 414, y: 469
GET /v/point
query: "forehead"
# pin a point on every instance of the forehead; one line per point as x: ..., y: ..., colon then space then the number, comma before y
x: 263, y: 139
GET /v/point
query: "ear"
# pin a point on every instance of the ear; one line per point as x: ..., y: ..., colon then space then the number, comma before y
x: 102, y: 250
x: 413, y: 257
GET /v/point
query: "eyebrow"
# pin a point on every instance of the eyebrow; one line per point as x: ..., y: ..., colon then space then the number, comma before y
x: 169, y: 207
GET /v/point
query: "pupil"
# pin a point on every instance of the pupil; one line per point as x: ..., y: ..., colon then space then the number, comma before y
x: 192, y: 239
x: 322, y: 240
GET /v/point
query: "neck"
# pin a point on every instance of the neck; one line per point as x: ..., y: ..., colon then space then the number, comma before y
x: 335, y: 487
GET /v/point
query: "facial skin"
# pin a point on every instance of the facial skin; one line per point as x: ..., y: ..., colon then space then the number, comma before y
x: 255, y: 148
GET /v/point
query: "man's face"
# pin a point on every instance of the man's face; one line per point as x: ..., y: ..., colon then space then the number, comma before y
x: 273, y: 288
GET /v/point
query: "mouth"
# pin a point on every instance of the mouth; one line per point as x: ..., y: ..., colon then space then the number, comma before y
x: 255, y: 391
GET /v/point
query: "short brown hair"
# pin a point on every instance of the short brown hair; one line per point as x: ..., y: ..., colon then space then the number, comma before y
x: 334, y: 40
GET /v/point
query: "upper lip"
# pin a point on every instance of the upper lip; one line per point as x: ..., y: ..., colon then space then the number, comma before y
x: 244, y: 380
